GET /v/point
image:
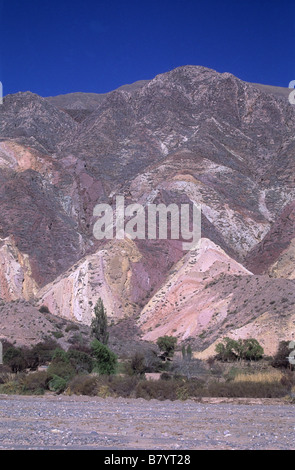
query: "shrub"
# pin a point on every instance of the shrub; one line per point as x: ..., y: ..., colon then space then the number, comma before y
x: 35, y: 382
x: 59, y: 355
x: 71, y: 327
x: 12, y: 387
x: 167, y: 344
x: 6, y: 345
x: 122, y: 386
x: 81, y: 361
x: 137, y: 365
x: 83, y: 385
x: 57, y: 384
x: 10, y: 354
x: 247, y: 389
x: 31, y: 358
x: 14, y: 359
x: 77, y: 340
x: 45, y: 350
x: 157, y: 389
x: 189, y: 368
x: 152, y: 361
x: 62, y: 369
x: 58, y: 334
x: 5, y: 373
x: 232, y: 373
x: 288, y: 379
x: 105, y: 360
x: 44, y: 309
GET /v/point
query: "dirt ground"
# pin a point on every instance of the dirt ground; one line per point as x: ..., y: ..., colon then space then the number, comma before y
x: 72, y: 422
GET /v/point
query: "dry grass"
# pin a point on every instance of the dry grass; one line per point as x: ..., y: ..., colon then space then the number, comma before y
x: 260, y: 377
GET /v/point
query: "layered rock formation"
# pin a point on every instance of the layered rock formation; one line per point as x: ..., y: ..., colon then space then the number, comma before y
x: 191, y: 135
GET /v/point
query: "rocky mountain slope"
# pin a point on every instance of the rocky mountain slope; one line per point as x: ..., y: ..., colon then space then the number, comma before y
x: 189, y: 135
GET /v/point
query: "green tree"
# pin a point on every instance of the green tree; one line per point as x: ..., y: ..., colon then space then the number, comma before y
x: 232, y: 350
x: 167, y: 344
x: 252, y: 349
x: 31, y: 358
x: 60, y: 366
x: 13, y: 357
x: 226, y: 350
x: 189, y: 352
x: 59, y: 355
x: 81, y: 361
x: 99, y: 324
x: 105, y: 360
x: 45, y: 350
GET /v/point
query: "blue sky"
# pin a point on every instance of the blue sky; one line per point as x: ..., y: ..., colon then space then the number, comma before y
x: 54, y: 47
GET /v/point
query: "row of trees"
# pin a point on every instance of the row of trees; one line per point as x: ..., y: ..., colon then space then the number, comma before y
x: 237, y: 350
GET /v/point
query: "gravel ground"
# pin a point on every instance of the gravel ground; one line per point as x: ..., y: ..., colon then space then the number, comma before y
x: 71, y: 422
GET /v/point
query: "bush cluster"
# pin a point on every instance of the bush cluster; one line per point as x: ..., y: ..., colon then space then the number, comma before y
x: 94, y: 371
x: 19, y: 359
x: 241, y: 349
x: 63, y: 368
x: 126, y: 386
x: 173, y: 389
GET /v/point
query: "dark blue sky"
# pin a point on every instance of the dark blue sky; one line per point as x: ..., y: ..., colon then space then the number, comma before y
x: 53, y: 47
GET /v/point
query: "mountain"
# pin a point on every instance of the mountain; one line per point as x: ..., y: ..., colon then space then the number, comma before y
x: 188, y: 135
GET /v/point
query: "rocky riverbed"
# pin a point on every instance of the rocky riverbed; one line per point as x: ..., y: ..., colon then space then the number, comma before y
x: 72, y: 422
